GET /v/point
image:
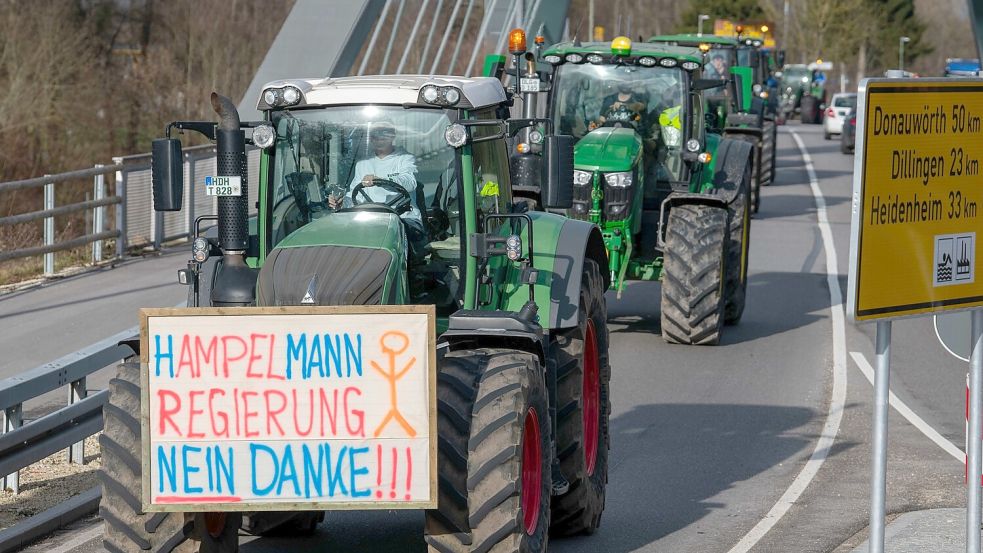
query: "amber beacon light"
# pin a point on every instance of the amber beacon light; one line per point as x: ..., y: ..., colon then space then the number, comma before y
x: 517, y: 41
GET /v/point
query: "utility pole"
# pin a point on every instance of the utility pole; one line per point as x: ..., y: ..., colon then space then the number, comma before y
x: 901, y: 43
x: 590, y: 18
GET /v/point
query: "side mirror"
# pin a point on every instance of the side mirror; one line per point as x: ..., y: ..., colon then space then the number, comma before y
x: 556, y: 186
x: 167, y: 174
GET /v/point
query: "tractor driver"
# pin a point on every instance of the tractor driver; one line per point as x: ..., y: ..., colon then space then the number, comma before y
x: 390, y: 163
x: 622, y: 109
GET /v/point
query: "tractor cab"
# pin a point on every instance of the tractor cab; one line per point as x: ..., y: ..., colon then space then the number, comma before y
x: 630, y: 108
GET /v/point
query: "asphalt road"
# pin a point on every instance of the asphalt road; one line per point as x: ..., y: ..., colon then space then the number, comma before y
x: 709, y: 444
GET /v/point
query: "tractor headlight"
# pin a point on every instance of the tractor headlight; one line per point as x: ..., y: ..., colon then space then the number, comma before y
x: 451, y: 96
x: 618, y: 180
x: 672, y: 136
x: 291, y: 95
x: 595, y: 58
x: 668, y: 62
x: 535, y: 136
x: 581, y: 178
x: 270, y: 96
x: 456, y: 135
x: 429, y: 94
x: 690, y: 65
x: 574, y: 58
x: 646, y: 61
x: 263, y: 136
x: 199, y: 249
x: 513, y: 247
x: 693, y: 145
x: 552, y: 58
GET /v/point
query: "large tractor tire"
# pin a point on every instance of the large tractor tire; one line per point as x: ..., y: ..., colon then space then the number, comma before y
x: 127, y: 528
x: 809, y: 110
x: 693, y: 274
x: 768, y: 152
x: 583, y: 409
x: 738, y: 246
x: 494, y: 454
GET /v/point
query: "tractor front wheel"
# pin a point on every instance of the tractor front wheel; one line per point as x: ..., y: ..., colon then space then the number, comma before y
x: 494, y: 454
x: 583, y: 407
x: 127, y: 528
x: 693, y: 274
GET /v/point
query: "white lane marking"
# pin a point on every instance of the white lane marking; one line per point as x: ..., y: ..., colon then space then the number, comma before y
x: 79, y: 540
x: 935, y: 325
x: 838, y: 395
x: 907, y: 413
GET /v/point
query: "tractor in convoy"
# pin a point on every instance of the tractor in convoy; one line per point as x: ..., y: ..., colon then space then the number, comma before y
x: 742, y: 61
x: 396, y: 190
x: 671, y: 195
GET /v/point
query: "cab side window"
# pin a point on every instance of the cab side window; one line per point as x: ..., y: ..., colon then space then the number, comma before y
x: 490, y: 163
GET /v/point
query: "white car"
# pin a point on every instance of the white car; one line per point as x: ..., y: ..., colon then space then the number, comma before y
x: 836, y: 113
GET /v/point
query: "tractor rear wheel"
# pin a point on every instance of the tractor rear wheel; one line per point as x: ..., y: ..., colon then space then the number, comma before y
x: 127, y: 527
x: 693, y: 274
x: 738, y: 246
x: 583, y: 409
x: 494, y: 454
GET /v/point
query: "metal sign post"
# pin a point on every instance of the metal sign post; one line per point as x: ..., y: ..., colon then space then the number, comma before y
x: 974, y: 467
x: 878, y: 465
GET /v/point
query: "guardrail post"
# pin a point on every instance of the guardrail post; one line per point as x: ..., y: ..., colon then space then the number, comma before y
x: 121, y: 240
x: 13, y: 418
x: 77, y: 392
x: 49, y: 229
x: 98, y: 214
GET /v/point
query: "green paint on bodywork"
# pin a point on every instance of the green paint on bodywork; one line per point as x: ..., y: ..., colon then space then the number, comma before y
x: 264, y: 191
x: 491, y: 61
x: 608, y: 149
x: 546, y: 233
x: 703, y: 181
x: 638, y: 49
x: 359, y: 229
x: 689, y: 39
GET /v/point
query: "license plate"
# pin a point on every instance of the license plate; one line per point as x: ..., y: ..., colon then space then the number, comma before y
x: 528, y: 84
x: 223, y: 186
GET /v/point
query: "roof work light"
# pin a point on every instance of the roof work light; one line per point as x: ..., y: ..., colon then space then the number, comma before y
x: 517, y: 41
x: 621, y: 46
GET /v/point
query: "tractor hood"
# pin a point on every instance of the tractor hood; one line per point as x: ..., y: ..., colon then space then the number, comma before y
x: 346, y: 258
x: 608, y: 149
x: 360, y: 229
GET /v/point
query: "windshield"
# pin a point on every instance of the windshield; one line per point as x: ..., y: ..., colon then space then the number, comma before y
x: 322, y: 155
x: 589, y: 96
x: 800, y: 74
x: 845, y: 101
x: 647, y: 99
x: 721, y: 59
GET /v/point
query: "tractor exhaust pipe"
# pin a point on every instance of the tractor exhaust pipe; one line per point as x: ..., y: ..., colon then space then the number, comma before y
x: 231, y: 162
x: 234, y: 283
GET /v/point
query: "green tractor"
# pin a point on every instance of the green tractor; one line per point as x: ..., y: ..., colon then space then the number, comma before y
x: 745, y: 116
x: 389, y: 190
x: 672, y: 197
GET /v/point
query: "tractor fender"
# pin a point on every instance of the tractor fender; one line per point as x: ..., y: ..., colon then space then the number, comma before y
x: 733, y: 156
x: 749, y: 131
x: 578, y: 240
x: 473, y: 329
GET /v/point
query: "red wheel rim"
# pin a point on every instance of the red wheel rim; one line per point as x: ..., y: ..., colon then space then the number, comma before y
x: 532, y: 472
x: 592, y: 397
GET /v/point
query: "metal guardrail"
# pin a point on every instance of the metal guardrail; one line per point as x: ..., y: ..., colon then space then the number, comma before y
x: 22, y: 444
x: 134, y: 223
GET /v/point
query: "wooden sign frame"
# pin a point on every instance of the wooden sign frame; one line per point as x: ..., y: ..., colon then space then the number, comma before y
x: 298, y: 311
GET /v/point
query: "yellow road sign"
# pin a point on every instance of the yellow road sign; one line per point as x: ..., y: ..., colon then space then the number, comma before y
x: 917, y: 198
